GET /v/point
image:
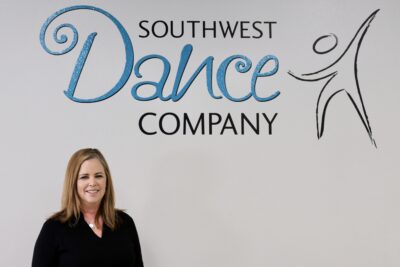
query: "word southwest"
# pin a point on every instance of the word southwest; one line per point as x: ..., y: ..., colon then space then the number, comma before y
x: 206, y: 29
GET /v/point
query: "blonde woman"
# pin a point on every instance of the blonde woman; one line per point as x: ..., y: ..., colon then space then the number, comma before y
x: 88, y: 230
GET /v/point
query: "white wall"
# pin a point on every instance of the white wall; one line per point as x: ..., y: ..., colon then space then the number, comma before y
x: 286, y: 199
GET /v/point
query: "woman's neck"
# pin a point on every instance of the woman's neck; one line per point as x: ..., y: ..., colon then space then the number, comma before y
x: 90, y: 215
x: 90, y: 212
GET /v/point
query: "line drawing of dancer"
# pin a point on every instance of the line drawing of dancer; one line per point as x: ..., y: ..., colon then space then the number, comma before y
x: 337, y: 74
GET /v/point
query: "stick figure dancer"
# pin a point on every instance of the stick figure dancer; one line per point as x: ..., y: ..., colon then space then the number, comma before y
x: 338, y: 81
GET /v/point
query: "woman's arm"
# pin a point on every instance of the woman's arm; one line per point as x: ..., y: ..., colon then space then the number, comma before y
x: 135, y: 239
x: 45, y: 251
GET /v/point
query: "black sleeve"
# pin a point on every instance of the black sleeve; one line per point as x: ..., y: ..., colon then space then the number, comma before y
x: 45, y: 251
x: 135, y: 239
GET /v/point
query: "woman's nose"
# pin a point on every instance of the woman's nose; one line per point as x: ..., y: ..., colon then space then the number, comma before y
x: 92, y: 181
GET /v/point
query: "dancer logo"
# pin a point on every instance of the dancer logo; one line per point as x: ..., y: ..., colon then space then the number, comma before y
x: 335, y: 76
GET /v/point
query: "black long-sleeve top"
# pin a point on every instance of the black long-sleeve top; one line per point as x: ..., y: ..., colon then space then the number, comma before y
x: 62, y: 245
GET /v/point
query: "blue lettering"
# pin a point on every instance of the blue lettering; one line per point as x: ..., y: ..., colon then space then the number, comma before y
x: 257, y: 73
x: 243, y: 65
x: 158, y: 86
x: 86, y: 50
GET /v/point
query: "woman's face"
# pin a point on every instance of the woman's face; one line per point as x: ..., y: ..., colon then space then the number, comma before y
x: 91, y: 183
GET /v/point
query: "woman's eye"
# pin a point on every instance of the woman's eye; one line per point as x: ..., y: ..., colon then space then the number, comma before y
x: 99, y: 176
x: 83, y: 177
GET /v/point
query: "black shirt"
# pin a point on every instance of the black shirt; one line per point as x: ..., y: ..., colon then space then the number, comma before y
x: 62, y: 245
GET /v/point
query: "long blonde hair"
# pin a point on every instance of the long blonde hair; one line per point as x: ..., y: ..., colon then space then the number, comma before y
x: 71, y: 203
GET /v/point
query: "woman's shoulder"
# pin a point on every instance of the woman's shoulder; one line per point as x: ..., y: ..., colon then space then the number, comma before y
x: 51, y: 223
x: 124, y: 219
x: 123, y: 216
x: 51, y: 228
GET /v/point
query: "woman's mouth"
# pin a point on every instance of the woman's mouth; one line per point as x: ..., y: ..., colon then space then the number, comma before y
x: 92, y: 191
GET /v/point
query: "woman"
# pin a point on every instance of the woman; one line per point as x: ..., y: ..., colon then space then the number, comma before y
x: 88, y: 230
